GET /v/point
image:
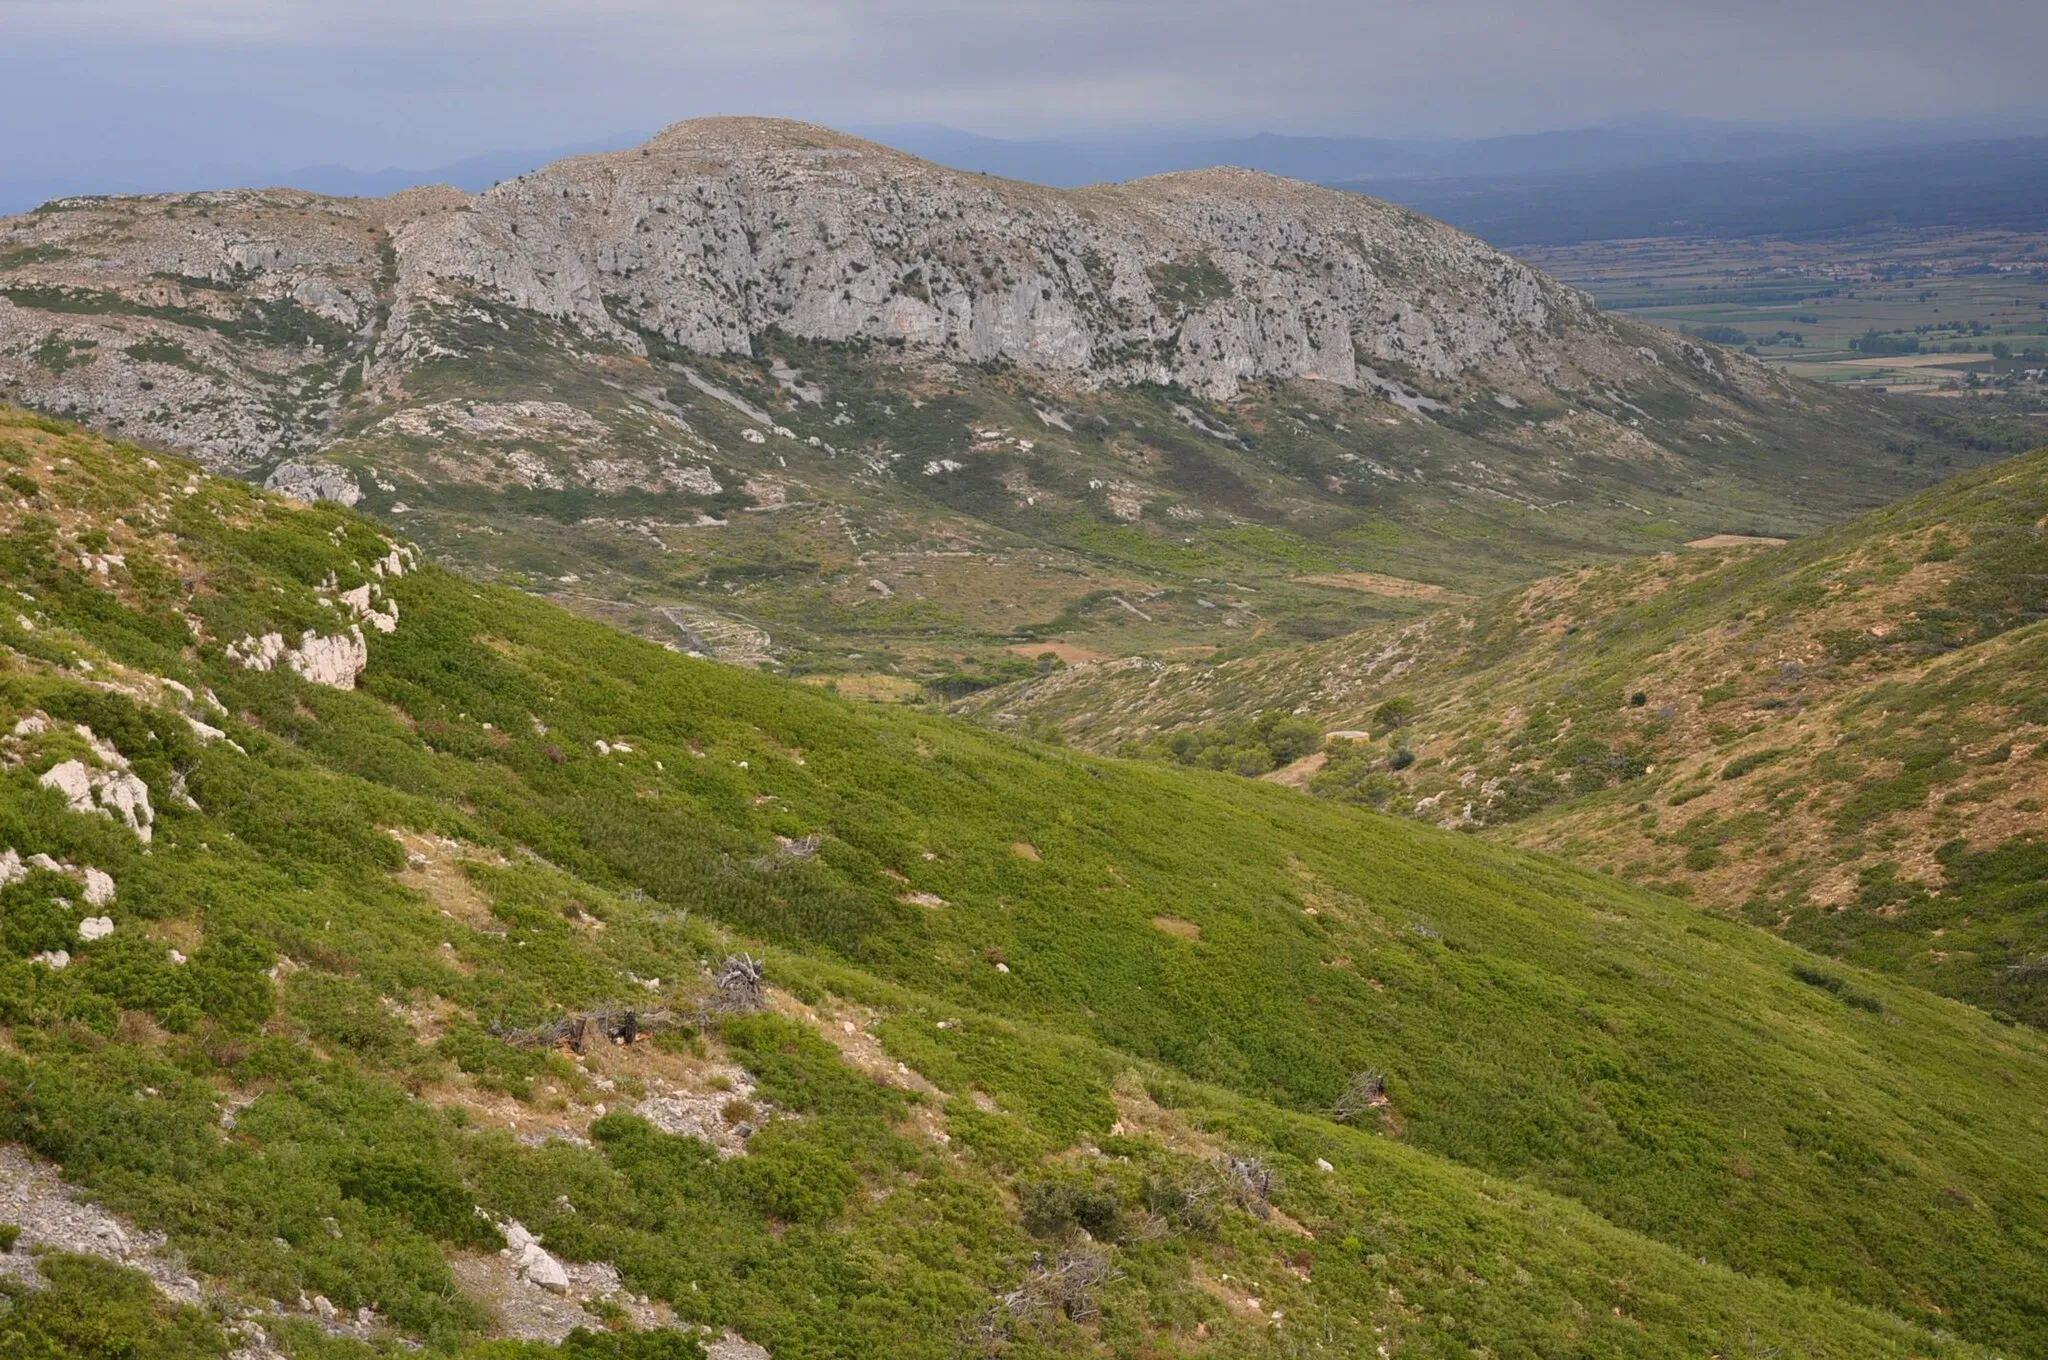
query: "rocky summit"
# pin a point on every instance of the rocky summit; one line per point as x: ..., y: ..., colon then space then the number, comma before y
x: 246, y: 317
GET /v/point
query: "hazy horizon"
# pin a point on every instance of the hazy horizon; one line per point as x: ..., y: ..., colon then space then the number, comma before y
x: 113, y: 88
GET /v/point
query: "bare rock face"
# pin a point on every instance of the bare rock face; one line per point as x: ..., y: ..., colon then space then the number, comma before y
x: 216, y: 322
x: 312, y: 480
x: 245, y: 325
x: 719, y: 229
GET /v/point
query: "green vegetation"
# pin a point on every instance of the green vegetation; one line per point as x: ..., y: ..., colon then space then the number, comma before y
x: 1190, y: 284
x: 1828, y: 738
x: 1265, y: 743
x: 1718, y: 335
x: 1609, y: 1126
x: 89, y: 1308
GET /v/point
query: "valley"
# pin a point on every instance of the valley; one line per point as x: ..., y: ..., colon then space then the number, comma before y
x: 777, y: 395
x: 1938, y: 300
x: 1834, y: 738
x: 945, y: 1035
x: 753, y: 749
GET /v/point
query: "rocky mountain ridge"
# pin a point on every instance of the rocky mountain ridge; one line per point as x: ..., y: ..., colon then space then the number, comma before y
x: 246, y: 317
x: 768, y: 392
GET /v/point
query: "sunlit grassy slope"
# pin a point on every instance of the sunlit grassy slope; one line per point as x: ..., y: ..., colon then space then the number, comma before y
x: 1612, y: 1128
x: 1842, y: 738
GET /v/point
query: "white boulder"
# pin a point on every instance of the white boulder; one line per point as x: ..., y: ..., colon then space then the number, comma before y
x: 110, y: 793
x: 331, y: 661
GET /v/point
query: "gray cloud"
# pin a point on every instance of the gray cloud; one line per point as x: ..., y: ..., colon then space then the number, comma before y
x: 117, y: 84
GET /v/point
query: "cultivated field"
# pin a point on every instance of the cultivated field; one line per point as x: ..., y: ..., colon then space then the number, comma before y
x: 1801, y: 304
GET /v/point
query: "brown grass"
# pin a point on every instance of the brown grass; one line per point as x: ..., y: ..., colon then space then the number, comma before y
x: 1372, y: 583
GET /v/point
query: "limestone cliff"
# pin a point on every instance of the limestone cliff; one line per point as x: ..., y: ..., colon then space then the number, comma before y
x: 241, y: 323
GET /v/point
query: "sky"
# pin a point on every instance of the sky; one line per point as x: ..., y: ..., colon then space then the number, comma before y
x: 111, y: 87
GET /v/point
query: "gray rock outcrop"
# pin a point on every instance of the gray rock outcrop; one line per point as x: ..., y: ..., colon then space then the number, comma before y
x: 311, y: 480
x: 241, y: 324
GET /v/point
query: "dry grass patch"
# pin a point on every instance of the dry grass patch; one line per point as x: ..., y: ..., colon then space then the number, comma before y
x: 1373, y: 583
x: 433, y: 869
x: 874, y: 687
x: 1736, y: 541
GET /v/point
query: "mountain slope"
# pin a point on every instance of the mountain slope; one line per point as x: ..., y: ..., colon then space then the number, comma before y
x: 718, y: 387
x: 395, y: 819
x: 1837, y: 736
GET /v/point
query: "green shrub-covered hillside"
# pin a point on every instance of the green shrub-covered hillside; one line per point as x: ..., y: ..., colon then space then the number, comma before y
x: 335, y: 882
x: 1841, y: 738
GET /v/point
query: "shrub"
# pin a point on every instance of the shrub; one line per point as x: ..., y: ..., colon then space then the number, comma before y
x: 665, y: 1344
x: 230, y: 978
x: 1754, y: 760
x: 335, y: 1010
x: 427, y: 1196
x: 799, y: 1071
x: 1051, y: 1208
x: 794, y: 1173
x: 1718, y: 335
x: 89, y: 1309
x: 495, y: 1064
x: 1272, y: 739
x: 1191, y: 1202
x: 1828, y: 982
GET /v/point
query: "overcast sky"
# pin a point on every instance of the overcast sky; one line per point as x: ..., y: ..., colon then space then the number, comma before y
x: 111, y: 85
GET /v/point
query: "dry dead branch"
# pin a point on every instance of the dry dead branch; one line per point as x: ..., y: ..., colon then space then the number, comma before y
x: 1365, y: 1090
x: 741, y: 986
x: 1066, y: 1286
x: 1250, y: 1181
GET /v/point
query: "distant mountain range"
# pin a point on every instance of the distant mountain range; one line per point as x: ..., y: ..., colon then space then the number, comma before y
x: 1070, y: 163
x: 1983, y: 185
x: 20, y: 192
x: 1074, y: 161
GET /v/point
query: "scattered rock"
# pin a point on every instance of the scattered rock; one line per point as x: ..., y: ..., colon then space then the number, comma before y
x: 535, y: 1297
x: 733, y: 1346
x: 52, y: 1216
x: 363, y: 610
x: 99, y: 887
